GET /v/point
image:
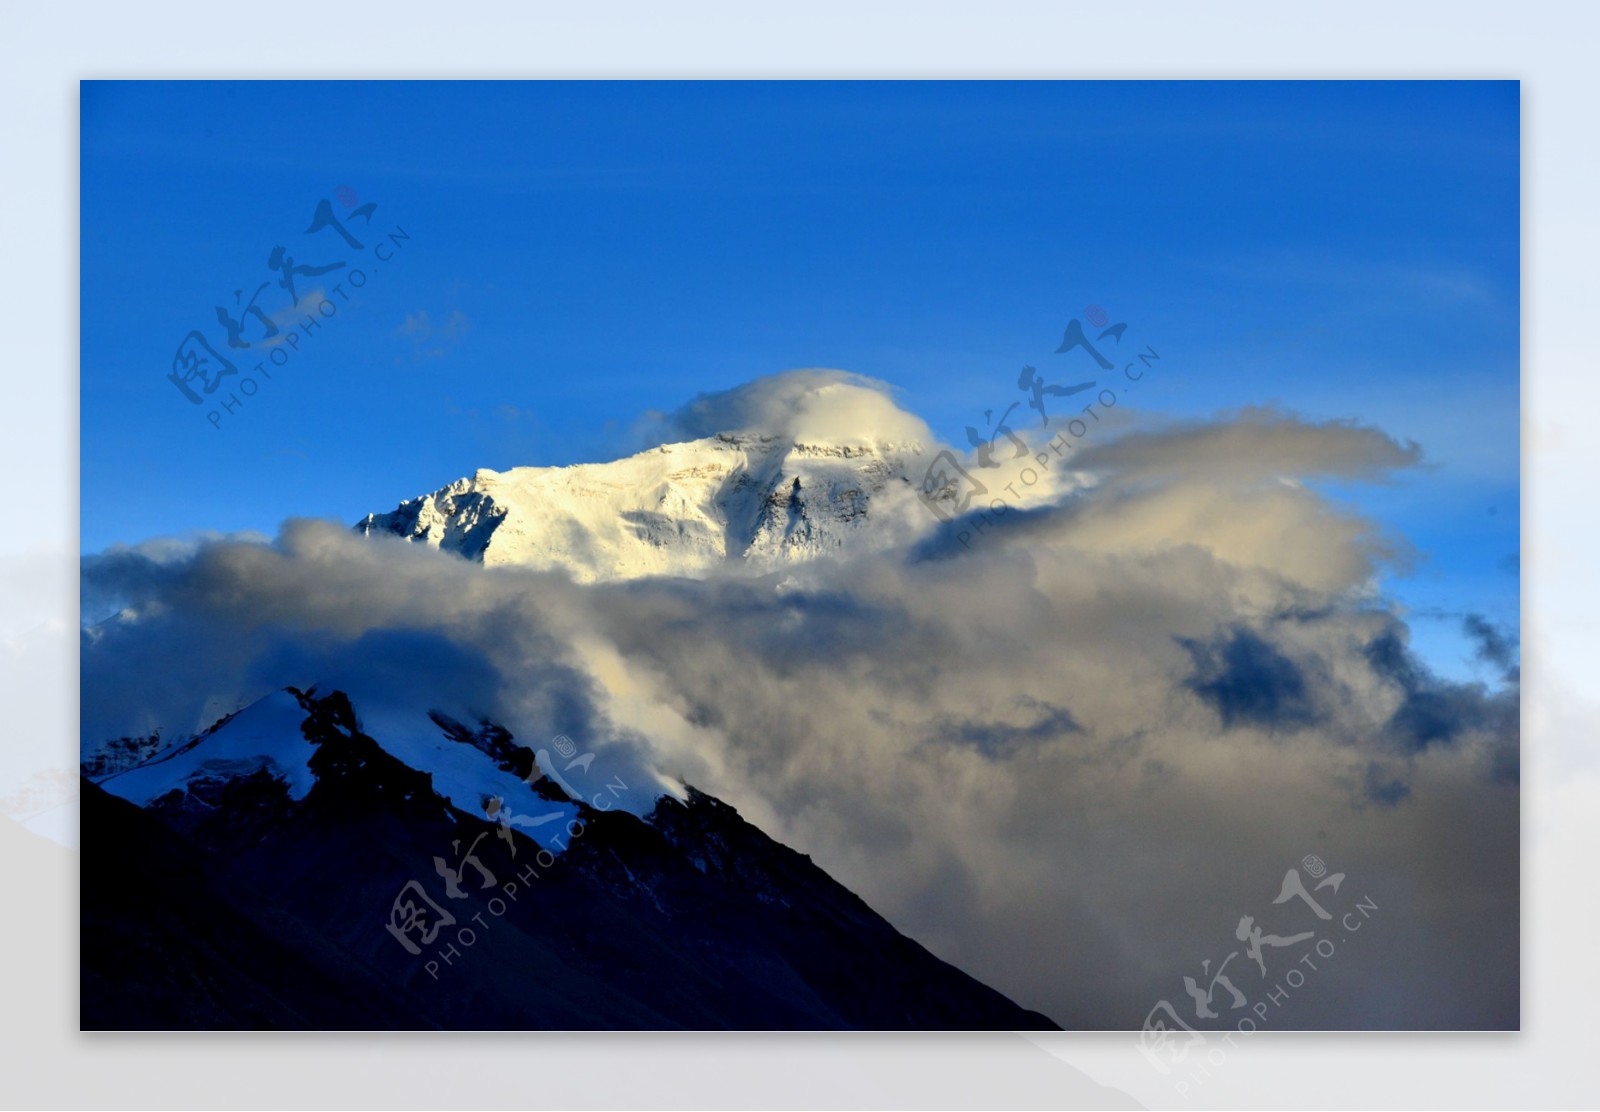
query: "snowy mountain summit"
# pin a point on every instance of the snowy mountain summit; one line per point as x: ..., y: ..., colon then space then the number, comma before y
x: 757, y: 498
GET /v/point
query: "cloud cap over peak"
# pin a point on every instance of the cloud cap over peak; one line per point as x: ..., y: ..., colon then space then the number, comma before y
x: 814, y: 405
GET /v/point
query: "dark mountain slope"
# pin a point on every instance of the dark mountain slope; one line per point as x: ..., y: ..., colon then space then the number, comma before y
x: 241, y: 907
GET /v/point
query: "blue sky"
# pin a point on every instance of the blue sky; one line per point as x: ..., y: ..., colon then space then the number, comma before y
x: 582, y: 253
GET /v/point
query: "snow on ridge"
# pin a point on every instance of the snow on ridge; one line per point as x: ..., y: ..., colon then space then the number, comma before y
x: 469, y: 778
x: 264, y: 735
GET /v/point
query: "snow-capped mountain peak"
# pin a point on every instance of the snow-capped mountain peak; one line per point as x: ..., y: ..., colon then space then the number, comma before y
x: 748, y: 499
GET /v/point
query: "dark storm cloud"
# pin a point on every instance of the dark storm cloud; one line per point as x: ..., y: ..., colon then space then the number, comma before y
x: 1495, y: 646
x: 1000, y: 741
x: 1248, y: 681
x: 1381, y: 787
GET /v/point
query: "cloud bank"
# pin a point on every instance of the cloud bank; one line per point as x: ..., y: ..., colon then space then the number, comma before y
x: 1067, y: 759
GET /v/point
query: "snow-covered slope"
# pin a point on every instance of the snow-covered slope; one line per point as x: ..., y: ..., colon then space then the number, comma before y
x: 264, y: 736
x: 746, y: 499
x: 270, y: 737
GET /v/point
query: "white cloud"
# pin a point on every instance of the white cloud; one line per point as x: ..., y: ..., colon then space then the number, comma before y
x: 814, y: 405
